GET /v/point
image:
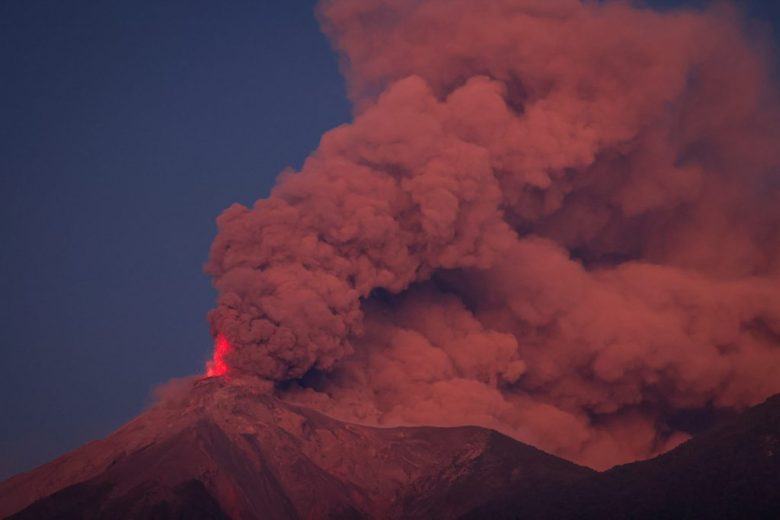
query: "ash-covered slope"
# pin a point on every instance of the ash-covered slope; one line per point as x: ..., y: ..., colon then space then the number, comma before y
x: 730, y: 471
x: 226, y: 451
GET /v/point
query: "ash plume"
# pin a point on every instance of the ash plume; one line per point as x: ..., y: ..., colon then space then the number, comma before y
x: 556, y: 219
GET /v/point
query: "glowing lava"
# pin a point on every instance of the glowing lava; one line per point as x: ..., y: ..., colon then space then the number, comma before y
x: 217, y: 366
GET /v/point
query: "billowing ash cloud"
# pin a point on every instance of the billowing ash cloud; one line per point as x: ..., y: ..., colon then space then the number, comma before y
x: 557, y: 219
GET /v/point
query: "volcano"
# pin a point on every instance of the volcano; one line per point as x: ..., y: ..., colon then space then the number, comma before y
x: 227, y: 451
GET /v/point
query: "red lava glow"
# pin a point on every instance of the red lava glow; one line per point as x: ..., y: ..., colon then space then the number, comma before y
x: 217, y: 366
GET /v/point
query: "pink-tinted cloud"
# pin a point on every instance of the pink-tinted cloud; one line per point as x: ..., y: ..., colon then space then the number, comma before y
x: 557, y: 219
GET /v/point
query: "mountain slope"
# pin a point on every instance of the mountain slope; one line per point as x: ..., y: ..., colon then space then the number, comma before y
x: 226, y: 451
x: 731, y: 471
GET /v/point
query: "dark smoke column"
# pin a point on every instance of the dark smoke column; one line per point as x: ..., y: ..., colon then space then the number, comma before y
x: 570, y: 207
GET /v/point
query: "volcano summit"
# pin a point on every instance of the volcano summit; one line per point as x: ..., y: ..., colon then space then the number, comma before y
x: 218, y: 451
x: 225, y: 451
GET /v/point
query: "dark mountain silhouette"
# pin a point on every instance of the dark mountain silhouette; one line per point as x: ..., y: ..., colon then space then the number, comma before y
x: 223, y: 451
x: 731, y: 471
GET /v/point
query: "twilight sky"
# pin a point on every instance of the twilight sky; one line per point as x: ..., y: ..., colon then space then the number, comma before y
x: 125, y: 130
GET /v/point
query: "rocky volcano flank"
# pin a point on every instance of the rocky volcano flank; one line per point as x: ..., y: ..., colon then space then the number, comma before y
x: 219, y: 451
x: 227, y: 451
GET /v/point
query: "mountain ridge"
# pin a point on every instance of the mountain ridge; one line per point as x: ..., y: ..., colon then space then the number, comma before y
x: 729, y: 471
x: 217, y: 451
x: 240, y: 453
